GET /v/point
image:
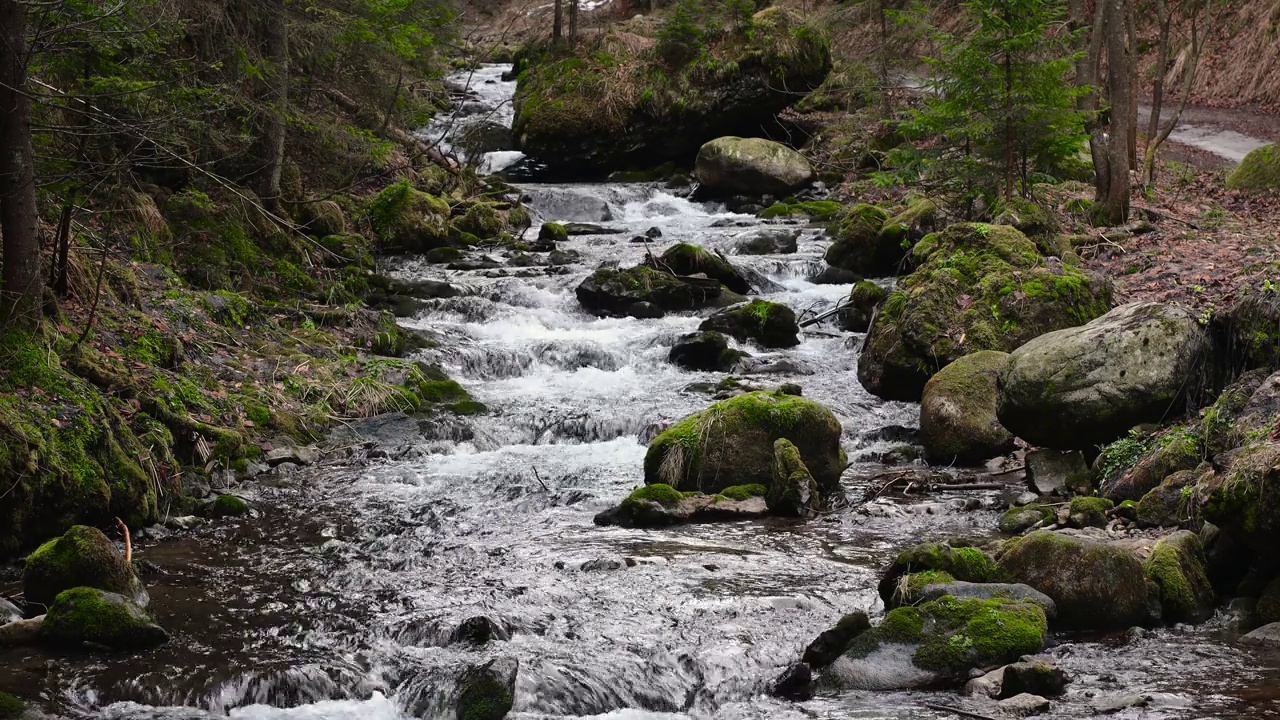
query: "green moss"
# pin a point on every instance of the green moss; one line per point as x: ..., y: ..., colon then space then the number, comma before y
x: 408, y: 218
x: 86, y: 615
x: 744, y: 492
x: 260, y: 415
x: 229, y: 506
x: 659, y: 493
x: 1091, y: 505
x: 467, y: 407
x: 481, y: 220
x: 444, y: 255
x: 820, y: 210
x: 553, y: 231
x: 11, y: 708
x: 910, y: 586
x: 1260, y: 170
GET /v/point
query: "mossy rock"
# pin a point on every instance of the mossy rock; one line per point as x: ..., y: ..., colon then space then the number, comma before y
x: 858, y: 245
x: 11, y: 708
x: 641, y: 292
x: 1217, y: 427
x: 1018, y: 520
x: 1243, y: 499
x: 817, y: 210
x: 444, y: 255
x: 946, y: 638
x: 958, y: 421
x: 322, y: 218
x: 729, y: 166
x: 959, y: 563
x: 770, y: 324
x: 1259, y: 170
x: 865, y: 297
x: 1029, y: 217
x: 1089, y: 512
x: 1173, y: 450
x: 793, y: 491
x: 553, y: 232
x: 409, y: 220
x: 1177, y: 566
x: 487, y: 692
x: 481, y: 220
x: 91, y: 616
x: 686, y: 259
x: 732, y: 443
x: 81, y: 557
x: 977, y: 287
x: 1250, y: 328
x: 705, y: 351
x: 229, y: 506
x: 1172, y: 502
x: 1094, y: 585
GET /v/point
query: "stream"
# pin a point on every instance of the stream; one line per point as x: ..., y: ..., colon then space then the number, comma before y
x: 338, y: 599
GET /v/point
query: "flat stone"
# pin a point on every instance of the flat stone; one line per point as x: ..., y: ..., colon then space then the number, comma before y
x: 21, y: 632
x: 300, y: 456
x: 1265, y: 635
x: 1116, y: 703
x: 988, y: 685
x: 1023, y: 705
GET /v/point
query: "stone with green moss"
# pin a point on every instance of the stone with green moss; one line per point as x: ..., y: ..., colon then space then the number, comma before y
x: 322, y: 218
x: 11, y: 708
x: 226, y: 505
x: 769, y: 324
x: 82, y: 556
x: 793, y: 491
x: 487, y: 692
x: 863, y: 300
x: 1177, y: 566
x: 958, y: 422
x: 939, y: 642
x: 960, y: 563
x: 817, y: 210
x: 1080, y: 387
x: 1095, y: 586
x: 1171, y: 451
x: 920, y: 217
x: 1029, y: 217
x: 409, y: 220
x: 89, y: 615
x: 705, y: 351
x: 859, y: 246
x: 1250, y: 326
x: 1173, y: 502
x: 1243, y: 499
x: 1089, y: 512
x: 753, y: 167
x: 553, y: 232
x: 744, y: 492
x: 1018, y: 520
x: 911, y: 586
x: 732, y: 443
x: 482, y: 220
x: 1217, y: 427
x: 443, y: 255
x: 686, y: 259
x: 1259, y: 170
x: 642, y: 292
x: 977, y: 287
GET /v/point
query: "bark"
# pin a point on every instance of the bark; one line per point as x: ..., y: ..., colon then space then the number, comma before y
x: 1094, y: 57
x: 1131, y: 109
x: 1118, y: 78
x: 275, y: 48
x: 1162, y: 62
x: 557, y: 27
x: 573, y: 23
x: 22, y: 287
x: 1008, y: 126
x: 886, y: 103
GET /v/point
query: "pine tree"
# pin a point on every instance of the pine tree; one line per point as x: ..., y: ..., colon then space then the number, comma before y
x: 1001, y: 100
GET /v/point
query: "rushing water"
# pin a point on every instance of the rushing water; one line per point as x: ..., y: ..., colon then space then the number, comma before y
x: 339, y: 599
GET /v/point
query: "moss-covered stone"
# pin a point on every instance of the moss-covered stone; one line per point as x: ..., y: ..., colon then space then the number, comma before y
x: 89, y: 615
x: 487, y: 692
x: 686, y: 259
x: 322, y: 218
x: 1029, y: 217
x: 958, y: 411
x: 752, y: 166
x: 744, y: 492
x: 11, y: 708
x: 732, y: 443
x: 817, y: 210
x: 442, y: 255
x: 770, y: 324
x: 1177, y: 566
x: 409, y: 220
x: 82, y: 556
x: 481, y: 220
x: 641, y: 292
x: 865, y: 297
x: 858, y: 246
x: 1244, y: 499
x: 1018, y: 520
x: 1260, y: 170
x: 978, y: 287
x: 1170, y: 451
x: 1250, y: 327
x: 960, y: 563
x: 1095, y: 586
x: 553, y: 232
x: 229, y: 506
x: 1089, y: 511
x: 793, y: 492
x: 1172, y: 502
x: 706, y: 351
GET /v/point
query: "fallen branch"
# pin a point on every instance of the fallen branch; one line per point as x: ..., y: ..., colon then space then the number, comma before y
x: 1010, y: 471
x: 958, y: 711
x: 391, y: 131
x: 823, y: 316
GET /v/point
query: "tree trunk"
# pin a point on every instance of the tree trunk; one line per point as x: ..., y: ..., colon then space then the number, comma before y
x: 1092, y: 60
x: 22, y: 285
x: 557, y: 27
x: 886, y: 103
x: 1188, y: 81
x: 1162, y: 62
x: 1077, y: 22
x: 1008, y: 116
x: 1118, y: 78
x: 275, y: 48
x: 573, y: 23
x: 1131, y: 110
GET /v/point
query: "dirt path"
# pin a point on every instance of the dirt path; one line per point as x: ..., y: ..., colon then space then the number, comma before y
x: 1228, y: 134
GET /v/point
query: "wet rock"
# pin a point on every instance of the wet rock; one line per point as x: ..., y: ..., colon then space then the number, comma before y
x: 418, y: 289
x: 785, y: 366
x: 1084, y: 512
x: 760, y: 282
x: 389, y: 430
x: 1177, y: 565
x: 732, y: 442
x: 958, y: 422
x: 860, y: 247
x: 770, y: 324
x: 1169, y: 504
x: 653, y: 233
x: 988, y: 591
x: 478, y: 630
x: 768, y: 241
x: 572, y: 229
x: 1266, y: 635
x: 96, y: 617
x: 986, y: 685
x: 564, y: 257
x: 976, y: 287
x: 832, y: 643
x: 706, y: 351
x: 1023, y: 705
x: 795, y: 683
x: 1118, y: 703
x: 603, y: 565
x: 939, y: 642
x: 861, y: 305
x: 642, y: 292
x: 9, y: 612
x: 1095, y: 586
x: 82, y: 557
x: 1174, y: 450
x: 487, y: 692
x: 486, y: 136
x: 660, y: 505
x: 686, y: 259
x: 835, y: 276
x: 228, y: 505
x: 960, y: 563
x: 1081, y: 387
x: 1018, y: 520
x: 750, y: 166
x: 300, y: 456
x: 1036, y: 678
x: 20, y: 633
x: 1051, y: 472
x: 473, y: 264
x: 793, y: 492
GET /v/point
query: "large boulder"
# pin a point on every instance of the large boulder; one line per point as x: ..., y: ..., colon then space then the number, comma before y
x: 96, y: 617
x: 82, y: 557
x: 770, y: 324
x: 1094, y: 585
x: 1250, y: 328
x: 978, y: 287
x: 1260, y: 170
x: 958, y: 411
x: 409, y: 220
x: 939, y: 642
x: 1080, y: 387
x: 577, y: 115
x: 1170, y: 504
x: 750, y: 166
x: 1177, y: 566
x: 686, y: 259
x: 644, y: 293
x: 732, y: 443
x: 857, y: 245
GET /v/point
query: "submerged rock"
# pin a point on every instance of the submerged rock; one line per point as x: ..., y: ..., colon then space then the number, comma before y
x: 732, y: 443
x: 958, y: 411
x: 939, y: 642
x: 706, y: 351
x: 478, y: 630
x: 1095, y: 586
x: 795, y: 683
x: 82, y: 557
x: 770, y: 324
x: 833, y: 643
x: 660, y: 505
x: 768, y: 241
x: 1081, y: 387
x: 751, y: 166
x: 91, y: 616
x: 487, y: 692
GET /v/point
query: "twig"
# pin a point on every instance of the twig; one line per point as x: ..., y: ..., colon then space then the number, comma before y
x: 972, y: 486
x: 958, y: 711
x: 128, y: 544
x: 1010, y: 471
x: 823, y: 316
x: 539, y: 479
